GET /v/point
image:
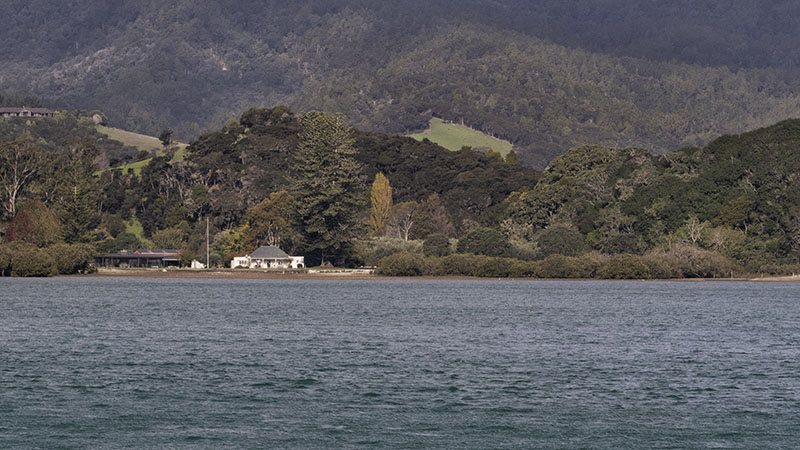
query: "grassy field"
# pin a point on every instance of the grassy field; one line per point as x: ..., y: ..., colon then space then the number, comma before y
x: 135, y: 166
x: 140, y: 141
x: 134, y: 227
x: 453, y: 137
x: 180, y: 155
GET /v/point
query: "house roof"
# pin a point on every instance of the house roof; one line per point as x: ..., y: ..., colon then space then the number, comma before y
x: 269, y: 252
x: 33, y: 110
x: 144, y: 253
x: 157, y: 251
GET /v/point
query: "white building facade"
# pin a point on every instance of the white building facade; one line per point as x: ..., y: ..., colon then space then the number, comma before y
x: 269, y: 257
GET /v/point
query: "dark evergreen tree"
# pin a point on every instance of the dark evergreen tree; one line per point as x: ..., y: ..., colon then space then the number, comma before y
x: 77, y: 204
x: 328, y: 191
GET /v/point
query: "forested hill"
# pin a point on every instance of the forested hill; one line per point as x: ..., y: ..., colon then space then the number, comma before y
x: 68, y: 129
x: 547, y: 75
x: 244, y: 162
x: 316, y: 187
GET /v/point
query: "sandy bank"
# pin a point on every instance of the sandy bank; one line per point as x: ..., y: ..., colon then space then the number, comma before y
x: 234, y: 274
x: 357, y: 275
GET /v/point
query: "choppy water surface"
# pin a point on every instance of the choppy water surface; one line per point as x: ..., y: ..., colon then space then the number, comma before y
x: 150, y: 363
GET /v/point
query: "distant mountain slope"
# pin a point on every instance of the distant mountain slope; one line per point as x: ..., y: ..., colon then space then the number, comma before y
x: 392, y: 66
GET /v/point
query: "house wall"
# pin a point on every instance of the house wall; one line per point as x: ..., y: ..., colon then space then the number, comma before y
x: 296, y: 262
x: 270, y: 264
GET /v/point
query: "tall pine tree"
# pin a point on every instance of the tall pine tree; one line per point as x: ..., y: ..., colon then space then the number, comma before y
x: 77, y: 202
x: 327, y: 188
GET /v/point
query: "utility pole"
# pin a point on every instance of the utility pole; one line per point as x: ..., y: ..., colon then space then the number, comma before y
x: 208, y: 253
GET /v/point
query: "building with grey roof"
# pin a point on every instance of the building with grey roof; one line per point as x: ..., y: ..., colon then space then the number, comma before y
x: 269, y: 257
x: 25, y: 112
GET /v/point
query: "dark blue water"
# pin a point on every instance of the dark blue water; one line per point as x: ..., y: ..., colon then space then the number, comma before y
x: 150, y: 363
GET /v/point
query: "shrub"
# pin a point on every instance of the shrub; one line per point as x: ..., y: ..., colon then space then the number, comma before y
x: 436, y: 244
x: 624, y: 267
x: 494, y: 267
x: 402, y: 265
x: 662, y: 267
x: 72, y: 259
x: 524, y: 250
x: 33, y: 263
x: 560, y: 266
x: 5, y: 261
x: 522, y: 269
x: 371, y: 251
x: 485, y: 241
x: 686, y: 261
x: 459, y: 265
x: 482, y: 266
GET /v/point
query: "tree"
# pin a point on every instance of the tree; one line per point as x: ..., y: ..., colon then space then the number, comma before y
x: 169, y: 238
x: 401, y: 220
x: 269, y: 222
x: 327, y: 188
x: 512, y: 159
x: 485, y: 241
x: 695, y: 229
x: 436, y: 244
x: 20, y: 163
x: 34, y: 223
x: 165, y: 137
x: 381, y: 198
x: 560, y: 240
x: 77, y: 194
x: 186, y: 257
x: 432, y: 217
x: 736, y: 212
x: 493, y: 154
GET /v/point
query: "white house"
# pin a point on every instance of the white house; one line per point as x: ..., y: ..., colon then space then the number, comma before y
x: 269, y: 257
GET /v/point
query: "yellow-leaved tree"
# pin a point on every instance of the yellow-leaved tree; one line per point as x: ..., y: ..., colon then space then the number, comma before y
x: 381, y: 198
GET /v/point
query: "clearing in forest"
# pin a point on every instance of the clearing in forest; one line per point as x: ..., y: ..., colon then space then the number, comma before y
x: 140, y: 141
x: 452, y: 137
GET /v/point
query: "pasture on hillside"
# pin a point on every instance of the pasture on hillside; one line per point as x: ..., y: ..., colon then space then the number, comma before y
x: 453, y: 136
x: 140, y: 141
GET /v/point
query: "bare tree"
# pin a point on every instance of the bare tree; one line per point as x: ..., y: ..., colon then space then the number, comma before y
x: 20, y: 163
x: 402, y: 219
x: 695, y: 228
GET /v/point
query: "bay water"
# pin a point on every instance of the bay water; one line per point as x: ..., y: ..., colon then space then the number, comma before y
x: 107, y: 363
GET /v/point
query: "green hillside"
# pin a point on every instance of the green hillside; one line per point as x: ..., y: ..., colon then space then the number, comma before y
x: 729, y: 207
x: 453, y: 137
x: 137, y: 166
x: 142, y: 142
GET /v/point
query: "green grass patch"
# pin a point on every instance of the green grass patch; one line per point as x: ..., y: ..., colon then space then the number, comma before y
x: 140, y: 141
x: 134, y: 227
x: 452, y: 137
x: 136, y: 166
x: 180, y: 154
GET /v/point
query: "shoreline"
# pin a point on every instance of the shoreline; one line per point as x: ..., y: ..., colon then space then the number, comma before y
x: 364, y: 275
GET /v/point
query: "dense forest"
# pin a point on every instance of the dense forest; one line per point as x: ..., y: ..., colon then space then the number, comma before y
x: 547, y: 75
x: 314, y: 186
